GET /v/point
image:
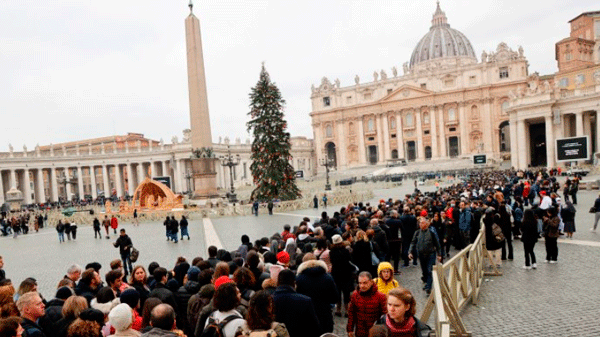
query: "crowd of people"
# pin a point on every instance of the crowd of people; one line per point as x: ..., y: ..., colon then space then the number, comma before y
x: 294, y: 283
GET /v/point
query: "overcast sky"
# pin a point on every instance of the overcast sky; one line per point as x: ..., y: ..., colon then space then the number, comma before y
x: 76, y: 69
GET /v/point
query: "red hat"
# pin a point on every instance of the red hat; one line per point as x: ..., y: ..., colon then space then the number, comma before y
x: 423, y: 213
x: 543, y: 193
x: 283, y: 257
x: 222, y: 280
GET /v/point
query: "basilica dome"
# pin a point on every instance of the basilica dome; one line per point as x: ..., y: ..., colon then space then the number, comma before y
x: 442, y: 42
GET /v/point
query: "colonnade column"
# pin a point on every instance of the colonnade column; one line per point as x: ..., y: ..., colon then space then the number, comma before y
x: 597, y: 131
x: 53, y: 184
x: 130, y: 187
x: 27, y: 187
x: 140, y: 172
x: 380, y: 147
x: 119, y: 181
x: 420, y: 145
x: 362, y: 157
x: 40, y: 194
x: 550, y: 152
x: 443, y: 152
x: 68, y: 192
x: 521, y: 144
x: 178, y: 173
x: 80, y: 182
x: 318, y: 142
x: 93, y: 181
x: 433, y: 132
x: 400, y: 136
x: 105, y: 181
x: 341, y: 144
x: 487, y: 127
x: 13, y: 179
x: 386, y: 138
x: 464, y: 149
x: 164, y: 167
x: 579, y: 124
x: 514, y: 157
x: 1, y: 189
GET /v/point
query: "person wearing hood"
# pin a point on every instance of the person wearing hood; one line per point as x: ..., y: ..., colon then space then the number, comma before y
x: 367, y: 304
x: 385, y: 278
x: 182, y: 296
x: 121, y: 318
x: 313, y: 281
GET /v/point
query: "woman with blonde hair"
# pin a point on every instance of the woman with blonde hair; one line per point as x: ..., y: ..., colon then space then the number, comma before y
x: 361, y: 252
x: 400, y: 319
x: 73, y: 306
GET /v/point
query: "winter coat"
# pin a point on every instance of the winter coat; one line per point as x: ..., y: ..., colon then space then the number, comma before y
x: 297, y: 312
x: 361, y: 255
x: 408, y: 228
x: 126, y: 333
x: 156, y: 332
x: 382, y: 286
x: 550, y: 227
x: 314, y: 282
x: 394, y: 224
x: 382, y: 241
x: 423, y: 330
x: 341, y: 269
x: 182, y: 296
x: 364, y: 309
x: 529, y: 231
x: 114, y: 223
x: 490, y: 241
x: 161, y: 292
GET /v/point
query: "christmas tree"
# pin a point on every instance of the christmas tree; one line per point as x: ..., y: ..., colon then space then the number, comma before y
x: 273, y: 174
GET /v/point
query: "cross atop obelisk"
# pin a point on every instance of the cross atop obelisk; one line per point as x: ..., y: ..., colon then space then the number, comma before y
x: 205, y: 181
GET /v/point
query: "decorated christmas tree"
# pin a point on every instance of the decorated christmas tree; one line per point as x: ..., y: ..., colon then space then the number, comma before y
x: 273, y: 174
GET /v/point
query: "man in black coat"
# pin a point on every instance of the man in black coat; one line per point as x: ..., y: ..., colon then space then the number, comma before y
x: 124, y: 244
x: 394, y: 241
x: 161, y: 291
x: 408, y: 228
x: 89, y: 284
x: 314, y: 282
x: 296, y: 311
x: 380, y: 238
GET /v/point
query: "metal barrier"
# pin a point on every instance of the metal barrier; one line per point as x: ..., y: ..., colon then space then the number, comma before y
x: 456, y: 283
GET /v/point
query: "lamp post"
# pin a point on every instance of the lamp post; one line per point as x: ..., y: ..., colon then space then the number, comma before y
x: 230, y: 161
x: 327, y: 162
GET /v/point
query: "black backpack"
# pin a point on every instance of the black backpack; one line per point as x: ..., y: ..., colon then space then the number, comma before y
x: 214, y: 328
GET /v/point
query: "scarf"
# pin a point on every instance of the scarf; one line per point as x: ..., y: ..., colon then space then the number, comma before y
x: 406, y: 328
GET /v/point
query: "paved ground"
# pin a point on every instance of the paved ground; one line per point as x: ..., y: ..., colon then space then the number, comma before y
x: 555, y: 300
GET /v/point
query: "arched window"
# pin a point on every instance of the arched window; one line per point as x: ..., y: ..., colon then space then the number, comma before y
x: 329, y: 131
x: 409, y: 120
x: 371, y: 125
x: 451, y: 114
x: 426, y: 117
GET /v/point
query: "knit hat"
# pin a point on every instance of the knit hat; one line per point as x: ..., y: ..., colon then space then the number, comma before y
x: 93, y: 315
x: 64, y: 292
x: 193, y: 274
x: 120, y: 317
x: 283, y: 257
x: 336, y: 239
x: 543, y: 193
x: 423, y: 213
x: 131, y: 297
x: 222, y: 280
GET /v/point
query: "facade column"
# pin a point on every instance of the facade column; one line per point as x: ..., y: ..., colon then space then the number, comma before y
x: 342, y: 161
x: 68, y: 192
x: 486, y: 129
x: 27, y: 187
x: 380, y: 146
x: 13, y: 179
x: 318, y: 142
x: 163, y: 165
x: 386, y: 138
x: 40, y: 194
x: 130, y: 187
x: 400, y: 136
x: 362, y: 156
x: 106, y: 186
x: 579, y: 124
x: 178, y: 174
x: 54, y: 184
x: 93, y: 182
x: 2, y: 200
x: 550, y: 152
x: 433, y: 132
x: 443, y: 152
x: 80, y: 182
x: 464, y: 149
x: 119, y: 181
x: 521, y: 145
x: 514, y: 157
x: 420, y: 145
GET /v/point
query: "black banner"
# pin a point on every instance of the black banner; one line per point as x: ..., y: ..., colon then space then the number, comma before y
x: 165, y: 180
x: 479, y: 159
x: 571, y: 149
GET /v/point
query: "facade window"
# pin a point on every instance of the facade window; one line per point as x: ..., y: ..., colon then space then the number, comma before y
x: 568, y: 56
x: 474, y: 112
x: 371, y: 125
x: 452, y: 129
x: 564, y: 82
x: 392, y: 123
x: 451, y: 114
x: 426, y: 132
x: 505, y: 106
x: 326, y: 101
x: 472, y: 80
x: 367, y: 95
x: 393, y: 135
x: 371, y: 138
x: 580, y: 79
x: 503, y: 71
x: 329, y: 131
x: 449, y: 83
x: 426, y: 118
x: 423, y: 85
x: 351, y: 128
x: 409, y: 120
x: 389, y: 91
x: 349, y: 99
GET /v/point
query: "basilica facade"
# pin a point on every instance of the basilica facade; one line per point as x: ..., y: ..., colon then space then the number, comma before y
x: 446, y: 103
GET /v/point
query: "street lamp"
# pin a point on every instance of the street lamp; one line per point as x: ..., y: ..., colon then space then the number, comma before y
x: 328, y: 163
x: 230, y: 161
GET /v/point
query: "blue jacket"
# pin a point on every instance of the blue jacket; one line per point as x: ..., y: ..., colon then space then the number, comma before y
x: 464, y: 221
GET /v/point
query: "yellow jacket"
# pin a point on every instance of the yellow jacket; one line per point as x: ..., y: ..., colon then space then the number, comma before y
x: 382, y: 286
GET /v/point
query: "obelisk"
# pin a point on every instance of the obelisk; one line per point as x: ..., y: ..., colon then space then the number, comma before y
x: 205, y: 175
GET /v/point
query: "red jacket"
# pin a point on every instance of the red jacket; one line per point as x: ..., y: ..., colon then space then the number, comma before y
x: 364, y: 310
x: 114, y: 223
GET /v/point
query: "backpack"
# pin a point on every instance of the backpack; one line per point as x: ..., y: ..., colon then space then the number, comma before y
x: 244, y: 332
x: 135, y: 254
x: 497, y: 233
x: 214, y: 328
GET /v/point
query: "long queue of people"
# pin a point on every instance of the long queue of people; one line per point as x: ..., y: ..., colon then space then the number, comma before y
x: 295, y: 282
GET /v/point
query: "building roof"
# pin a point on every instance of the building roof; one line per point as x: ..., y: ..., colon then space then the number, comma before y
x: 594, y: 13
x: 441, y: 42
